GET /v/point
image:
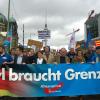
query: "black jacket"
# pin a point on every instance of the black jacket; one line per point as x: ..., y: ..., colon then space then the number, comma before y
x: 24, y: 59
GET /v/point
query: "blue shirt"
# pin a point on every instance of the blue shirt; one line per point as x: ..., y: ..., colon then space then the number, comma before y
x: 5, y: 58
x: 92, y: 57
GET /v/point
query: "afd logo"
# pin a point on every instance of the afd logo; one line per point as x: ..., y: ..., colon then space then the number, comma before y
x: 56, y: 88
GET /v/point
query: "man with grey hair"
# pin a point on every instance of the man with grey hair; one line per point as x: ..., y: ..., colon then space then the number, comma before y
x: 61, y: 57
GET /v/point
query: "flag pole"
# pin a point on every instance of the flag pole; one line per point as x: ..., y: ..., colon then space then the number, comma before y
x: 8, y: 22
x: 23, y: 36
x: 8, y: 15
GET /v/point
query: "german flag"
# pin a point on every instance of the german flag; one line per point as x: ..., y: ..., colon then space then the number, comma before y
x: 97, y: 43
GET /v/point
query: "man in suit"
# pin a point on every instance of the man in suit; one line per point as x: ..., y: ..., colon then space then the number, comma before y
x: 19, y: 58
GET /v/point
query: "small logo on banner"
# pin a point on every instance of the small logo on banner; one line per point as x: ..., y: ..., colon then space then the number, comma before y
x: 54, y: 89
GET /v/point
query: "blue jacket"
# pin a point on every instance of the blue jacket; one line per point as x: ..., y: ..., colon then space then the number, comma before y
x: 92, y: 57
x: 5, y: 58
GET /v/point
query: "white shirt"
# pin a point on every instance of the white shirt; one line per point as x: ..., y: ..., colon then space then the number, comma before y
x: 39, y: 61
x: 19, y: 60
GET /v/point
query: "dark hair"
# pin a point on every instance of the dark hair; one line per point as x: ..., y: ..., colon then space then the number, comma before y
x: 21, y: 49
x: 37, y: 53
x: 47, y: 47
x: 40, y: 52
x: 79, y: 51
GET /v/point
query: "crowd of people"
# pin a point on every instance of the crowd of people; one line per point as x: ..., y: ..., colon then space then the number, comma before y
x: 45, y: 56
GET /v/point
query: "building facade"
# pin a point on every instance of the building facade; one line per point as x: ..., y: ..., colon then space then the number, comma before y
x: 92, y: 27
x: 3, y: 27
x: 13, y: 28
x: 3, y: 23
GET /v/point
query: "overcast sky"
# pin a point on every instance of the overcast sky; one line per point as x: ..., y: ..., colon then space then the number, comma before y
x: 62, y: 17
